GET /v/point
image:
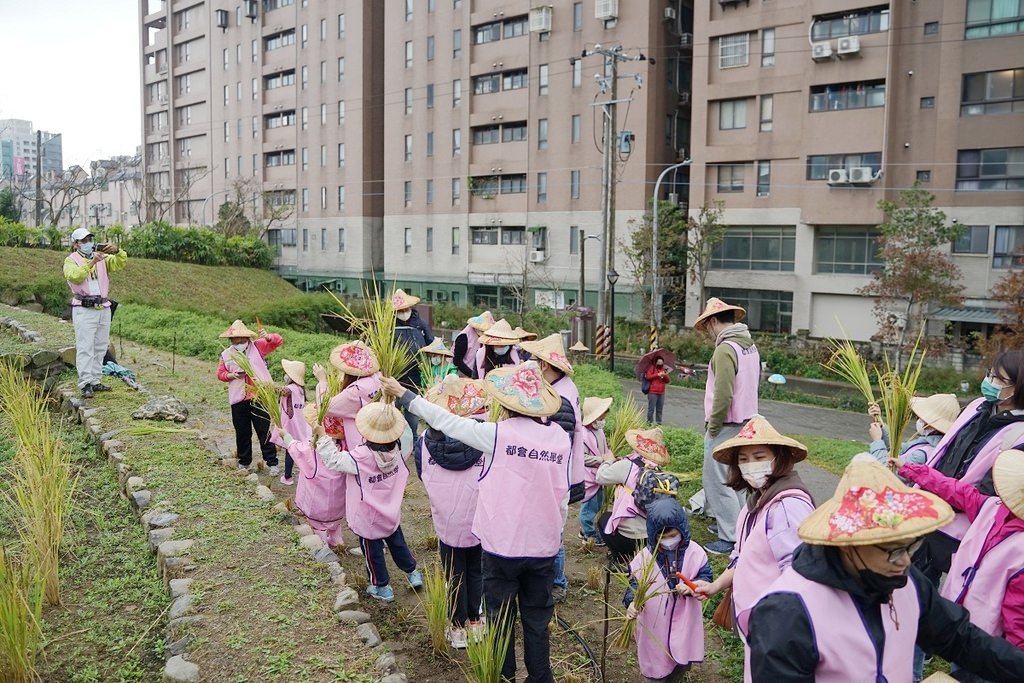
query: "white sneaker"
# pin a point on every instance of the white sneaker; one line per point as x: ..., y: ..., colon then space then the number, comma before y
x: 456, y: 637
x: 357, y: 551
x: 275, y: 470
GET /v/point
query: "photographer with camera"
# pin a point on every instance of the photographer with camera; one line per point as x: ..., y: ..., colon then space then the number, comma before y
x: 87, y: 271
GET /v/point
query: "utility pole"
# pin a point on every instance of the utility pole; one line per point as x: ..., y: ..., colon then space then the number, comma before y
x: 39, y: 177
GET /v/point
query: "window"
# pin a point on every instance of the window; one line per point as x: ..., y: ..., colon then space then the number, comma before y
x: 513, y: 184
x: 767, y: 248
x: 577, y: 16
x: 341, y: 240
x: 323, y: 157
x: 305, y: 77
x: 515, y: 27
x: 456, y: 191
x: 574, y: 240
x: 994, y: 18
x: 574, y: 184
x: 513, y: 236
x: 341, y: 69
x: 542, y: 79
x: 1009, y: 246
x: 430, y: 240
x: 408, y: 241
x: 973, y: 240
x: 323, y: 30
x: 931, y: 28
x: 513, y: 132
x: 278, y: 80
x: 514, y: 80
x: 305, y: 207
x: 542, y: 187
x: 734, y: 50
x: 341, y: 112
x: 993, y: 92
x: 767, y: 112
x: 855, y: 23
x: 430, y: 48
x: 455, y: 241
x: 305, y: 36
x: 542, y: 133
x: 819, y: 165
x: 456, y: 142
x: 486, y: 83
x: 456, y: 43
x: 924, y: 176
x: 577, y: 73
x: 927, y: 103
x: 768, y: 47
x: 408, y: 54
x: 323, y: 238
x: 730, y: 178
x: 323, y: 114
x: 279, y: 40
x: 430, y: 191
x: 837, y: 96
x: 487, y: 33
x: 767, y: 310
x: 484, y: 235
x: 732, y: 114
x: 305, y: 118
x: 284, y: 119
x: 456, y: 92
x: 341, y: 197
x: 305, y: 238
x: 430, y: 144
x: 539, y: 239
x: 850, y: 250
x: 430, y: 95
x: 574, y: 129
x: 764, y: 178
x: 227, y: 131
x: 407, y: 193
x: 408, y: 148
x: 997, y: 169
x: 408, y: 9
x: 341, y: 25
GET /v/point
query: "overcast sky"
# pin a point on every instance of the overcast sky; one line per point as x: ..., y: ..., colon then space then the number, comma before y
x: 71, y: 67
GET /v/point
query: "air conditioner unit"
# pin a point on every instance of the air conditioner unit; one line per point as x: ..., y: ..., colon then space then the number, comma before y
x: 849, y: 45
x: 684, y: 99
x: 861, y: 175
x: 540, y: 19
x: 821, y: 52
x: 538, y: 256
x: 251, y: 9
x: 670, y: 14
x: 222, y: 19
x: 606, y: 9
x: 837, y: 176
x: 686, y: 40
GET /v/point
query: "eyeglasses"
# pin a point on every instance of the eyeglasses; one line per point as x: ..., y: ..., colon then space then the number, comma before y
x: 895, y: 554
x: 1005, y: 381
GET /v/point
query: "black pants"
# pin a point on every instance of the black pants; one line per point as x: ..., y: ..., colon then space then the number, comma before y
x: 465, y: 572
x: 373, y: 555
x: 247, y: 418
x: 522, y: 584
x: 621, y: 549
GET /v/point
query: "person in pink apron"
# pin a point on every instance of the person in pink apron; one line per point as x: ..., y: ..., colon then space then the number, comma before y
x: 522, y: 502
x: 293, y: 400
x: 625, y: 526
x: 851, y: 607
x: 376, y: 474
x: 450, y: 471
x: 761, y: 464
x: 246, y: 416
x: 670, y: 627
x: 595, y: 450
x: 497, y: 349
x: 467, y: 342
x: 987, y: 571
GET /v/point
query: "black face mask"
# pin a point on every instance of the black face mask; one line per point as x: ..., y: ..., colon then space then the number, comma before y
x: 879, y: 584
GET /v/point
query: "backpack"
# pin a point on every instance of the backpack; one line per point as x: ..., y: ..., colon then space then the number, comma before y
x: 653, y: 483
x: 645, y: 386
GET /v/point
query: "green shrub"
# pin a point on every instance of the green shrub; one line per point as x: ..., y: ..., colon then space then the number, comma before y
x: 300, y: 313
x: 593, y: 380
x: 201, y: 246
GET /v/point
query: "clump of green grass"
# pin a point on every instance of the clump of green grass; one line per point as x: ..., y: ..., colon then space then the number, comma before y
x: 21, y: 611
x: 624, y: 416
x: 486, y: 653
x: 437, y: 599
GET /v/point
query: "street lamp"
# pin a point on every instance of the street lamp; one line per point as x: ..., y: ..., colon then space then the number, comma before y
x: 581, y: 299
x: 613, y: 277
x: 655, y: 296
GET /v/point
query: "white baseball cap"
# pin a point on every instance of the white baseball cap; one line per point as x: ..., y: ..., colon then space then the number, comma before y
x: 80, y: 234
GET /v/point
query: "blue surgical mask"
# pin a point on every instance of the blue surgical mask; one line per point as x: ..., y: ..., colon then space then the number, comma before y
x: 501, y: 350
x: 990, y: 391
x: 86, y: 248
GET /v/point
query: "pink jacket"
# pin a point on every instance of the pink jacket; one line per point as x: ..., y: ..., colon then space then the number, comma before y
x: 999, y: 530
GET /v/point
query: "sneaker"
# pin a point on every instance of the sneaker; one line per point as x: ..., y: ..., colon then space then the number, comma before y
x: 559, y: 594
x: 476, y: 630
x: 357, y: 551
x: 599, y: 542
x: 720, y: 547
x: 457, y: 637
x: 287, y: 481
x: 415, y: 579
x: 242, y: 468
x: 384, y: 593
x: 713, y: 528
x: 99, y: 386
x: 274, y: 470
x: 87, y: 392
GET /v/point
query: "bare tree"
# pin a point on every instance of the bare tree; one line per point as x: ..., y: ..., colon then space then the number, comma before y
x: 60, y: 193
x: 260, y: 210
x: 158, y: 201
x: 704, y: 233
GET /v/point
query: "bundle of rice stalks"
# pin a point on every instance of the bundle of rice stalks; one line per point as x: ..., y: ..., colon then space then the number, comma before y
x: 624, y: 416
x: 642, y: 593
x: 497, y: 412
x: 265, y: 394
x: 486, y: 653
x: 896, y: 391
x: 438, y: 598
x: 850, y: 366
x: 334, y: 387
x: 21, y: 611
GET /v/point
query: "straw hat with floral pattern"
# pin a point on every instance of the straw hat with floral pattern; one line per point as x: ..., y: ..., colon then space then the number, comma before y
x: 354, y: 358
x: 380, y: 422
x: 594, y: 408
x: 523, y: 389
x: 237, y: 330
x: 650, y: 443
x: 296, y: 370
x: 550, y: 350
x: 1008, y: 476
x: 716, y: 306
x: 500, y: 334
x: 400, y: 301
x: 437, y: 348
x: 757, y: 432
x: 459, y: 395
x: 938, y: 410
x: 482, y: 322
x: 872, y: 506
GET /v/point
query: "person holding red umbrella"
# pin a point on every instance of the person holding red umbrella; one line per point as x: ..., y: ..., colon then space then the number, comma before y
x: 652, y: 370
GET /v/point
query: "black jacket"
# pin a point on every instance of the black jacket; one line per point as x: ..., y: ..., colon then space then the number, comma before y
x: 782, y: 646
x: 447, y: 452
x: 414, y: 333
x: 459, y: 348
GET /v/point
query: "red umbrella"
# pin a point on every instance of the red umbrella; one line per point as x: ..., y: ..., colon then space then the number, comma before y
x: 647, y: 360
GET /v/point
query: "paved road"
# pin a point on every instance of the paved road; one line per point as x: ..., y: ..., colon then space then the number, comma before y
x: 685, y: 408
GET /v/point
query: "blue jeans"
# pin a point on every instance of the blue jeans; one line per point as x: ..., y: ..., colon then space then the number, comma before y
x: 588, y: 515
x: 560, y: 578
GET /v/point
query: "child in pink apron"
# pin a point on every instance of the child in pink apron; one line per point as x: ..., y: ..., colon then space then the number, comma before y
x: 293, y: 400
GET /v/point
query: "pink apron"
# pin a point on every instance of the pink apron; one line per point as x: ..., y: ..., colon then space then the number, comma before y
x: 453, y: 495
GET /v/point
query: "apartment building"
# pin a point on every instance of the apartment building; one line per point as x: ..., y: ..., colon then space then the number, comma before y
x: 276, y: 102
x: 817, y: 110
x: 18, y: 150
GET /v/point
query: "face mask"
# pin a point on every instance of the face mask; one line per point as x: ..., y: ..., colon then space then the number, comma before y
x: 597, y: 424
x: 990, y: 391
x: 435, y: 360
x: 756, y: 473
x: 86, y: 248
x: 671, y: 543
x: 240, y: 347
x: 501, y: 350
x: 879, y: 584
x: 403, y: 315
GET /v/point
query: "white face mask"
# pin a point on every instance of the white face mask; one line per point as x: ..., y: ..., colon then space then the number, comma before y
x: 501, y: 350
x: 922, y: 428
x: 434, y: 360
x: 404, y: 315
x: 240, y: 346
x: 671, y: 543
x: 756, y: 473
x: 597, y: 424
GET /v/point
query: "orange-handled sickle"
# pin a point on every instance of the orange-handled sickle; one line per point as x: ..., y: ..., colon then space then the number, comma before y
x: 259, y: 325
x: 689, y: 584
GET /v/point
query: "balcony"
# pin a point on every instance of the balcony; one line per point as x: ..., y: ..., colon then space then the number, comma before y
x: 279, y: 138
x: 279, y: 98
x: 504, y: 155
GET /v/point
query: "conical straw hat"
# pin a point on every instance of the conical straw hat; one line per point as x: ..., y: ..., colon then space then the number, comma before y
x: 549, y: 349
x: 1008, y: 476
x: 237, y: 329
x: 871, y: 506
x: 579, y: 347
x: 437, y: 348
x: 459, y: 395
x: 938, y: 410
x: 649, y: 443
x: 758, y: 431
x: 716, y: 306
x: 380, y: 422
x: 354, y: 358
x: 296, y: 370
x: 500, y: 334
x: 594, y: 408
x: 523, y: 334
x: 401, y: 301
x: 482, y: 322
x: 523, y: 389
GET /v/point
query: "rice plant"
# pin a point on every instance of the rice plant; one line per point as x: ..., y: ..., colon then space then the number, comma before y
x: 21, y: 611
x: 850, y: 366
x: 265, y: 394
x: 896, y: 391
x: 650, y: 573
x: 438, y: 597
x: 486, y: 653
x: 334, y: 387
x: 624, y: 416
